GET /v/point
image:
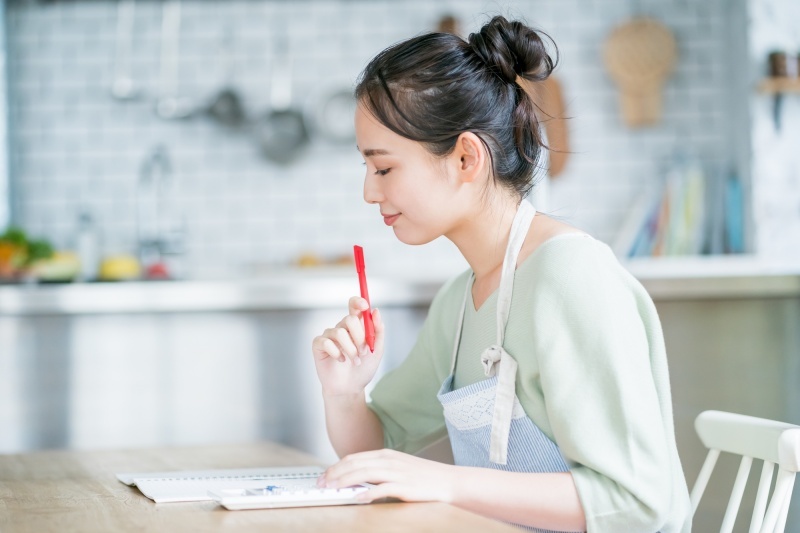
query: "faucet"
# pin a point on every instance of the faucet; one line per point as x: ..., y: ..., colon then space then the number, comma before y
x: 160, y: 228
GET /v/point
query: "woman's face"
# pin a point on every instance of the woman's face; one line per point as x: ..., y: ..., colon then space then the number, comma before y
x: 414, y: 190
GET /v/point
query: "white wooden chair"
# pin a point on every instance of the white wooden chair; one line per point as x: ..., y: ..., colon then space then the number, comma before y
x: 776, y: 443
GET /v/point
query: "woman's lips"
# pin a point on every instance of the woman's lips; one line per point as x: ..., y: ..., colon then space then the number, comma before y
x: 389, y: 219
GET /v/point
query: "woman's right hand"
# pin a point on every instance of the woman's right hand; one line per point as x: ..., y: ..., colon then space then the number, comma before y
x: 344, y: 362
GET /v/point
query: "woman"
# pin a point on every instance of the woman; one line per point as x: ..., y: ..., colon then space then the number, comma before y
x: 544, y: 363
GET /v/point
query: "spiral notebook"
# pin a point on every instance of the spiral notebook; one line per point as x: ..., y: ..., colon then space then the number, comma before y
x: 244, y: 488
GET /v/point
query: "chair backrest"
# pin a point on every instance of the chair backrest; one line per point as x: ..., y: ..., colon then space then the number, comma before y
x: 775, y: 443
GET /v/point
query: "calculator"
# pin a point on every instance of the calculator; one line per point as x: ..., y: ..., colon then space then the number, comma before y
x: 287, y: 495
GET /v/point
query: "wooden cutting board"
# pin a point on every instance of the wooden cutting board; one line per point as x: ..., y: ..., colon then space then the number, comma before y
x: 640, y: 55
x: 554, y: 117
x: 552, y: 114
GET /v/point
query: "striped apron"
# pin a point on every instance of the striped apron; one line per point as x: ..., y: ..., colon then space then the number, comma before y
x: 486, y: 423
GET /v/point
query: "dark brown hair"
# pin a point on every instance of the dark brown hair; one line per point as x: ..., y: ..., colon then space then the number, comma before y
x: 434, y: 87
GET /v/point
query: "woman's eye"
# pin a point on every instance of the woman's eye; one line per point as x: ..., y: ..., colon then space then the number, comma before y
x: 379, y: 172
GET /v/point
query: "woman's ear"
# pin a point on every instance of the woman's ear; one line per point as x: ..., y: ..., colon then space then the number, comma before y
x: 469, y: 157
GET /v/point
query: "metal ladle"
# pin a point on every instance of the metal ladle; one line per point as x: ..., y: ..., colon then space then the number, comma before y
x: 227, y: 107
x: 281, y: 133
x: 123, y: 87
x: 170, y: 105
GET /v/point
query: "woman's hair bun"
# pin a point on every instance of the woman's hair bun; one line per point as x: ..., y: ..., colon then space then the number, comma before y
x: 511, y: 49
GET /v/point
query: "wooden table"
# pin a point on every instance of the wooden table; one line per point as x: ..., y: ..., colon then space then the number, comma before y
x: 67, y: 491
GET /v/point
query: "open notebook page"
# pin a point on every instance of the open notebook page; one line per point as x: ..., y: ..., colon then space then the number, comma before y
x: 187, y: 486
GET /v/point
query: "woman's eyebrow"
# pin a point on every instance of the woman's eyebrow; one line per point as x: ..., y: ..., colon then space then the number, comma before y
x: 369, y: 152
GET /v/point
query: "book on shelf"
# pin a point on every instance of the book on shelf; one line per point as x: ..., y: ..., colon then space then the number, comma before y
x: 689, y: 213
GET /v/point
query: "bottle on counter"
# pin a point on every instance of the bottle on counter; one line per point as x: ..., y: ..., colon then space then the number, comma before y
x: 87, y: 246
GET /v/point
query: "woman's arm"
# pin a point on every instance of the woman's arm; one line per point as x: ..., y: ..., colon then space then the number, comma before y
x: 352, y: 426
x: 548, y: 501
x: 602, y: 370
x: 404, y: 412
x: 345, y: 365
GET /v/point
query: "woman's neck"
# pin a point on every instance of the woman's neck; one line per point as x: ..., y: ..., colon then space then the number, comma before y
x: 482, y: 236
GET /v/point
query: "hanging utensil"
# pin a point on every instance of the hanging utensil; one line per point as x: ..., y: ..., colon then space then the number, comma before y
x: 123, y: 87
x: 281, y: 133
x: 170, y: 105
x: 334, y: 116
x: 781, y: 65
x: 227, y: 107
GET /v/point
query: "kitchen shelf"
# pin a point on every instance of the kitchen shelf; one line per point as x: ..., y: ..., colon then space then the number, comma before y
x: 779, y: 85
x: 665, y: 278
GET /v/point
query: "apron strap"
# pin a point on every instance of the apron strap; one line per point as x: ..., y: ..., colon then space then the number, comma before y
x: 503, y: 400
x: 496, y: 356
x: 519, y: 230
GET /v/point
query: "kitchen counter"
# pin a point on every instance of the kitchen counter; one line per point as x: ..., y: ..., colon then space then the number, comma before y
x: 285, y: 289
x: 665, y: 279
x: 714, y: 277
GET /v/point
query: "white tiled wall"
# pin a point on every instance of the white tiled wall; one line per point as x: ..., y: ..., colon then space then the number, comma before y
x: 5, y: 213
x: 74, y: 146
x: 775, y: 25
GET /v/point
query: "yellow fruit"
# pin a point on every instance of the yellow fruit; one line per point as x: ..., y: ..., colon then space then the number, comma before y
x: 119, y: 267
x: 309, y: 260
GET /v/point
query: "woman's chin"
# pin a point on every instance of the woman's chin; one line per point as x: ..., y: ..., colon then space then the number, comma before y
x: 412, y: 239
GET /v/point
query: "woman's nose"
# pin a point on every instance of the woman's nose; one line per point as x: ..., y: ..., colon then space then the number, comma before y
x: 372, y: 190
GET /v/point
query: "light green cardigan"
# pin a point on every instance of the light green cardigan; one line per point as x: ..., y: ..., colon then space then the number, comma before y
x: 592, y: 375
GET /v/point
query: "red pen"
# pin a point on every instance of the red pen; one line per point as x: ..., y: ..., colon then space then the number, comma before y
x: 369, y: 327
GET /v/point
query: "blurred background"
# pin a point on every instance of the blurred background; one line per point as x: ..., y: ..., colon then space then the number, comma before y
x: 180, y: 192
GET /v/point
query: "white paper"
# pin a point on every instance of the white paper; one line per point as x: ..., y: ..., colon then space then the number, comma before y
x: 188, y: 486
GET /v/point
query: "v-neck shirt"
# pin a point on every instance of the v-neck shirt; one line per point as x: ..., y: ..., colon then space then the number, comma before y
x: 479, y: 327
x: 592, y: 375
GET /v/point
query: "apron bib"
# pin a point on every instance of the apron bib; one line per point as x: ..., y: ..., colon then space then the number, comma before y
x: 486, y: 423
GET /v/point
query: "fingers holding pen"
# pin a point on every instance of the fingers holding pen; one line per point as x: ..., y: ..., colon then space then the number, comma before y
x: 344, y: 341
x: 323, y: 347
x: 380, y: 330
x: 347, y: 340
x: 332, y: 349
x: 357, y: 305
x: 360, y: 307
x: 355, y: 327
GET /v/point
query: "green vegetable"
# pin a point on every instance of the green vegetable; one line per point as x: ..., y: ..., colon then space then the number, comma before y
x: 30, y: 250
x: 15, y: 235
x: 39, y: 249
